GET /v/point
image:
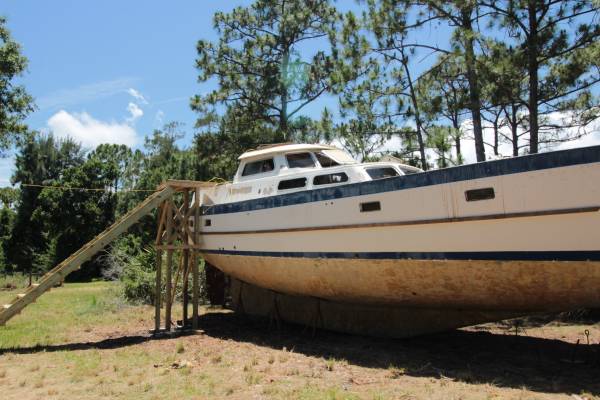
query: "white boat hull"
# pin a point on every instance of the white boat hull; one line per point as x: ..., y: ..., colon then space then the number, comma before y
x: 533, y: 247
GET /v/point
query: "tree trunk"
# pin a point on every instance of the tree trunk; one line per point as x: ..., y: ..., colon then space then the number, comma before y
x: 532, y: 53
x: 418, y: 121
x: 283, y: 117
x: 474, y: 95
x: 514, y: 130
x: 456, y: 137
x: 496, y: 135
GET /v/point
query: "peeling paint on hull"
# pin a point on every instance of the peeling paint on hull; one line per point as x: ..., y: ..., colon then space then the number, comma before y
x: 514, y: 286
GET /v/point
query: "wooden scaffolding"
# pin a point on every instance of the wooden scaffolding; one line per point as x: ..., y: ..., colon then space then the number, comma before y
x: 177, y: 244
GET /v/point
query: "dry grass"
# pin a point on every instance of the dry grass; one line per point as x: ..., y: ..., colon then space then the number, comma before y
x: 79, y: 342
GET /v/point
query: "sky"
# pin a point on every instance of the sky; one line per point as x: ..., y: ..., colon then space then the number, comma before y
x: 110, y: 71
x: 113, y: 71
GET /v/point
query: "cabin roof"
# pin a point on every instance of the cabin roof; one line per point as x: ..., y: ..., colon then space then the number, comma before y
x: 283, y: 148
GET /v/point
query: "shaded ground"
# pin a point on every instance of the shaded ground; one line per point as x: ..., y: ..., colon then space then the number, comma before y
x: 97, y: 348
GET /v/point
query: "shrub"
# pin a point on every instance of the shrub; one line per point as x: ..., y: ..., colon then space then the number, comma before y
x: 138, y: 277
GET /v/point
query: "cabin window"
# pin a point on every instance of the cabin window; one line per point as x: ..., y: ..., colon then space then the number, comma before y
x: 381, y: 173
x: 292, y: 184
x: 326, y: 161
x: 258, y: 167
x: 410, y: 171
x: 300, y: 160
x: 480, y: 194
x: 328, y: 179
x: 370, y: 206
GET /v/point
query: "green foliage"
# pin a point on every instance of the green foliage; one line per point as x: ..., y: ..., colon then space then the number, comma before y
x: 556, y: 45
x: 139, y: 278
x: 7, y: 217
x: 15, y: 103
x: 73, y: 217
x: 258, y: 65
x: 40, y: 161
x: 8, y: 196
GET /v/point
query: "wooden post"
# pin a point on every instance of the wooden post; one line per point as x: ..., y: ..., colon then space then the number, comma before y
x: 169, y: 284
x: 195, y: 261
x: 158, y: 290
x: 169, y: 267
x: 186, y: 257
x: 185, y: 275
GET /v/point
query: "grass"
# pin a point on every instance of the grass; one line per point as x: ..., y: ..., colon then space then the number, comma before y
x: 13, y: 281
x: 73, y: 343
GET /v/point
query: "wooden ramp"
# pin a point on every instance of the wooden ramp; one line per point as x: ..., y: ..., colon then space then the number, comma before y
x: 57, y: 275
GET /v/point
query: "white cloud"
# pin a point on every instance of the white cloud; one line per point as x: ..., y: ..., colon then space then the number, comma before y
x: 135, y: 111
x: 159, y: 118
x: 137, y: 95
x: 590, y: 138
x: 89, y: 131
x: 84, y: 93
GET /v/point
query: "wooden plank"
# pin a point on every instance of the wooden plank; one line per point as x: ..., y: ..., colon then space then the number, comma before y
x: 186, y: 258
x: 161, y: 223
x: 177, y: 246
x: 168, y: 300
x: 195, y: 261
x: 158, y: 290
x: 179, y: 184
x: 185, y: 297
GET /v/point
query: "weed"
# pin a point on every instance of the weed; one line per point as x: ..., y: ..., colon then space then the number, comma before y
x: 330, y: 364
x: 252, y: 378
x: 2, y: 374
x: 395, y: 372
x: 254, y: 361
x: 216, y: 359
x: 271, y: 359
x: 283, y: 357
x: 180, y: 348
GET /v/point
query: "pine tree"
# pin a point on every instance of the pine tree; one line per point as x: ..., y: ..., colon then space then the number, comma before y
x: 258, y: 65
x: 15, y: 103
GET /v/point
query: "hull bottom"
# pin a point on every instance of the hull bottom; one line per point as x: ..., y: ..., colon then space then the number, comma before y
x: 360, y: 319
x: 480, y: 286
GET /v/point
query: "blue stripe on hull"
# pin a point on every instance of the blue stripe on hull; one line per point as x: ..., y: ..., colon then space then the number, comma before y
x: 487, y: 169
x: 593, y: 255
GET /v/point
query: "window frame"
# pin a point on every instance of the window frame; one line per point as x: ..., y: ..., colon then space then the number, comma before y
x: 383, y: 177
x: 310, y: 154
x: 301, y: 178
x: 330, y: 183
x: 320, y: 153
x: 244, y: 175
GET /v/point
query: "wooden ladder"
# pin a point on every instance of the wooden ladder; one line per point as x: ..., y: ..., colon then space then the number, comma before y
x: 58, y: 273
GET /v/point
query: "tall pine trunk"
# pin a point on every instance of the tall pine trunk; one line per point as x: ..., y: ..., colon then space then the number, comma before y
x: 474, y: 92
x: 418, y: 121
x: 283, y: 117
x: 532, y: 53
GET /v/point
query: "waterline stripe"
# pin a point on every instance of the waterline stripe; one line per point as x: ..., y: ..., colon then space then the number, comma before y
x: 592, y: 255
